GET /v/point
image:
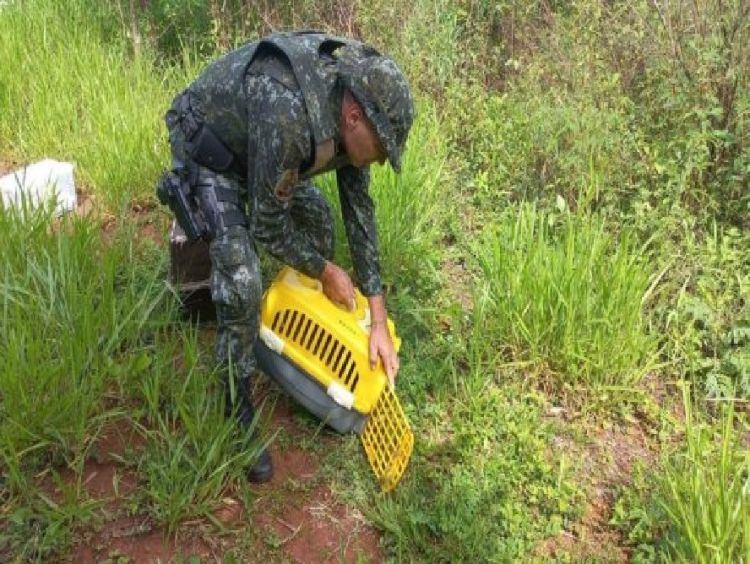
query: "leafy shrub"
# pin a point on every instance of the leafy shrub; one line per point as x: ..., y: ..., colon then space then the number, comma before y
x: 705, y: 308
x: 534, y: 142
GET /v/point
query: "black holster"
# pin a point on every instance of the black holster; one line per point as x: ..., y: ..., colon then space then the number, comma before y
x: 175, y: 191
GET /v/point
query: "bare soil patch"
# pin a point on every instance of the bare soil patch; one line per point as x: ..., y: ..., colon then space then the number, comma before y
x: 458, y: 282
x: 6, y: 167
x: 150, y: 224
x: 317, y: 528
x: 606, y: 458
x: 294, y: 518
x: 135, y: 539
x: 297, y: 516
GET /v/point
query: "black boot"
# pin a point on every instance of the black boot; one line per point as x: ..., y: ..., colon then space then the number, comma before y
x: 262, y: 470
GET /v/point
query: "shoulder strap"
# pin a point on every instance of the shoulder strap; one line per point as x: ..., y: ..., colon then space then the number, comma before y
x: 305, y: 52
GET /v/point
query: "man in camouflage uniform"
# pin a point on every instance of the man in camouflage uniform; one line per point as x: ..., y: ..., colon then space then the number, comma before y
x: 247, y: 136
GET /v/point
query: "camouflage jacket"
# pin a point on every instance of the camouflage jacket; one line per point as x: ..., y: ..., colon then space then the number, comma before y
x: 266, y: 121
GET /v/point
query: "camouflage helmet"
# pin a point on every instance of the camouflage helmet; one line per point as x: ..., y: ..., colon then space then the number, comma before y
x: 381, y: 89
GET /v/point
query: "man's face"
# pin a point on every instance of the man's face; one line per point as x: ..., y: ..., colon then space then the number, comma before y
x: 360, y: 141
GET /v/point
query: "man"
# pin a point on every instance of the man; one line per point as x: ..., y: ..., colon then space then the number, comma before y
x: 247, y: 136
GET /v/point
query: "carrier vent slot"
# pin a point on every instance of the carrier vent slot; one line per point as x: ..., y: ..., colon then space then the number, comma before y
x: 313, y: 334
x: 321, y: 336
x: 300, y: 323
x: 292, y: 323
x: 275, y: 323
x: 345, y: 365
x: 304, y: 333
x: 325, y: 346
x: 335, y: 366
x: 283, y: 320
x: 349, y: 373
x: 332, y: 353
x: 355, y: 382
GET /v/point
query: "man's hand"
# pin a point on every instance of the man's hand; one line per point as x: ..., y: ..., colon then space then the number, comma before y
x: 381, y: 346
x: 337, y: 286
x: 381, y: 343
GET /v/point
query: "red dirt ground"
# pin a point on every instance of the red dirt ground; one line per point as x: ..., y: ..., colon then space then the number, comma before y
x: 606, y: 465
x: 294, y: 518
x: 310, y: 526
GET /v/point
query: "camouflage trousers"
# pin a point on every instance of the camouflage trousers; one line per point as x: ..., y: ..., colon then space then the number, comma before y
x: 236, y: 285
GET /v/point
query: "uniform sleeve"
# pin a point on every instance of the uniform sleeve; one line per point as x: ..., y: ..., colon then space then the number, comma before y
x: 281, y: 144
x: 358, y: 212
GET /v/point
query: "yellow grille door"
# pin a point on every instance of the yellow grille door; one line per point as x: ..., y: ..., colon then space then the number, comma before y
x: 388, y: 440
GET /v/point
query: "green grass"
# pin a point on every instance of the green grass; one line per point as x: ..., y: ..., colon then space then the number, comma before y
x: 704, y: 306
x: 695, y: 507
x: 88, y: 336
x: 484, y: 483
x: 193, y: 452
x: 519, y: 106
x: 560, y: 291
x: 70, y: 89
x: 71, y: 309
x: 77, y: 316
x: 704, y: 494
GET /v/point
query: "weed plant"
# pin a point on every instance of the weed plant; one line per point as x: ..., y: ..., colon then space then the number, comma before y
x: 483, y: 487
x: 86, y: 337
x: 76, y: 318
x: 193, y: 450
x: 70, y: 308
x: 562, y: 292
x: 38, y: 530
x: 703, y: 305
x: 695, y: 508
x: 535, y: 145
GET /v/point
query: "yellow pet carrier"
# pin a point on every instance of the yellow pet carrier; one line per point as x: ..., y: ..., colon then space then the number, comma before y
x: 319, y: 354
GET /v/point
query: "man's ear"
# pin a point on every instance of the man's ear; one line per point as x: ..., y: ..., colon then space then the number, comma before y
x: 351, y: 111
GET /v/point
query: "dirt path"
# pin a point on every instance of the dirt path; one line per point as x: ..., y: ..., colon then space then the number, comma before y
x: 605, y: 454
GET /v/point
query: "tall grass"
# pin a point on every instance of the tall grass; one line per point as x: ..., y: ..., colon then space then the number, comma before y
x: 69, y: 89
x: 69, y: 308
x: 705, y: 491
x: 694, y: 506
x: 192, y: 449
x: 564, y: 293
x: 87, y: 335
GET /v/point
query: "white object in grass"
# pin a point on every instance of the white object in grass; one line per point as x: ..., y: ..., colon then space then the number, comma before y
x: 38, y: 184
